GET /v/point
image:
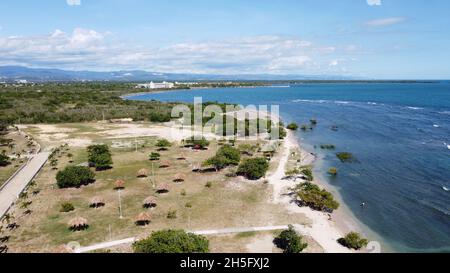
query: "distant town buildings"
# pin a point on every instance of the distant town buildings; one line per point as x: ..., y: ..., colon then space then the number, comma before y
x: 153, y: 85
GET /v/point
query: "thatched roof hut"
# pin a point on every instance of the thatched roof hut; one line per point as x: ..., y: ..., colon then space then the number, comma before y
x: 143, y: 219
x: 165, y: 164
x: 142, y: 173
x: 179, y: 177
x: 162, y: 188
x: 150, y: 202
x: 78, y: 223
x: 97, y: 202
x: 119, y: 185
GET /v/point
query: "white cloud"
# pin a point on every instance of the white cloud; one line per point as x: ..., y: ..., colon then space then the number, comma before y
x: 89, y: 49
x: 73, y: 2
x: 374, y: 2
x: 385, y: 21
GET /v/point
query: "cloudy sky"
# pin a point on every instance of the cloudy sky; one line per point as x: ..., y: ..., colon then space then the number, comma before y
x: 363, y: 38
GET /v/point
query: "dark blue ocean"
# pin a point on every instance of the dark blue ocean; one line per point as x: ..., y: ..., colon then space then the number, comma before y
x: 398, y: 133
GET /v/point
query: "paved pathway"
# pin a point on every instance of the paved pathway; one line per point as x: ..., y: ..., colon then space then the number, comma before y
x: 201, y: 232
x: 11, y: 189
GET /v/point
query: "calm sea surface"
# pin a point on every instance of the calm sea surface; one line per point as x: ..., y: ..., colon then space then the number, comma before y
x: 399, y: 135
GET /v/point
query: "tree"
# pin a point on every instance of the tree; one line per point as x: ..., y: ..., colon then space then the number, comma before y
x: 172, y: 241
x: 293, y: 126
x: 253, y: 168
x: 74, y: 176
x: 312, y: 196
x: 226, y: 156
x: 202, y: 143
x: 353, y: 241
x: 154, y: 156
x: 290, y: 241
x: 99, y: 156
x: 4, y: 160
x: 163, y: 144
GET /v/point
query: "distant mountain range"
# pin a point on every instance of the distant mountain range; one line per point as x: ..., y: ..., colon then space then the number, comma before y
x: 17, y: 73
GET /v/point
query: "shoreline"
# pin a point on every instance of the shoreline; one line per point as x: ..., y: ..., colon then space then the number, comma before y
x: 323, y: 230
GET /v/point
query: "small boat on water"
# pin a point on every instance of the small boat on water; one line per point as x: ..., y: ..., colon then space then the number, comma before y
x: 445, y: 188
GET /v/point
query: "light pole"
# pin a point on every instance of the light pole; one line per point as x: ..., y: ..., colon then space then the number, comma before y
x: 120, y: 206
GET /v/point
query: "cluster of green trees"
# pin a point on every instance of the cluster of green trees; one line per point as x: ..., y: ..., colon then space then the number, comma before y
x: 77, y: 102
x: 319, y: 199
x: 290, y: 241
x: 172, y: 241
x: 253, y: 168
x: 226, y: 156
x: 99, y: 157
x: 306, y: 171
x: 353, y: 240
x: 74, y: 177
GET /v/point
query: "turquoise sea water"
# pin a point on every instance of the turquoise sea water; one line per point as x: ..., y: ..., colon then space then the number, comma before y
x: 399, y: 134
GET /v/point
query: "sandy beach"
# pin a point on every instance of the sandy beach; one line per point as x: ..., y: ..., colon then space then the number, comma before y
x: 324, y: 231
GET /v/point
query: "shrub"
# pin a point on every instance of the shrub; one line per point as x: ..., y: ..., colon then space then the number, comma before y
x: 345, y: 157
x: 253, y: 168
x: 172, y: 241
x: 353, y: 241
x: 307, y: 172
x: 74, y: 176
x: 172, y: 214
x: 306, y: 127
x: 290, y: 241
x: 293, y: 126
x: 196, y: 141
x: 208, y: 185
x: 313, y: 122
x: 99, y: 156
x: 4, y: 160
x: 154, y: 156
x: 312, y: 196
x: 163, y: 144
x: 188, y: 205
x: 66, y: 207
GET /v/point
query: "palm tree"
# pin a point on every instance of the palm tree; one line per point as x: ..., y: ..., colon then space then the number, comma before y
x: 7, y: 218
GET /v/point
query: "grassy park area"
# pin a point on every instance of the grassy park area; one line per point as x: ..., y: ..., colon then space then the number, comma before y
x: 203, y: 200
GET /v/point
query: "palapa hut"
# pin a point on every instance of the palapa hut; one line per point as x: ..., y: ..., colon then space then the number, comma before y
x: 162, y: 188
x: 119, y: 185
x: 150, y: 202
x: 97, y: 202
x: 164, y: 164
x: 78, y: 224
x: 179, y: 178
x: 142, y: 173
x: 143, y: 219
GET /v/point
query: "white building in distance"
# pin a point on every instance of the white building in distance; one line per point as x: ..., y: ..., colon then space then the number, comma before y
x: 152, y: 85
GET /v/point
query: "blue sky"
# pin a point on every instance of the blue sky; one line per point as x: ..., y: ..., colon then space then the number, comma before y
x: 400, y: 39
